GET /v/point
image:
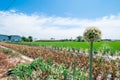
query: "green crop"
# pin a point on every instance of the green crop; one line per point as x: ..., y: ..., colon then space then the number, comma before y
x: 45, y: 70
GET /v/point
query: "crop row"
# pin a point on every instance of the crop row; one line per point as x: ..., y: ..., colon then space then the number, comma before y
x: 102, y: 67
x: 111, y: 48
x: 45, y: 70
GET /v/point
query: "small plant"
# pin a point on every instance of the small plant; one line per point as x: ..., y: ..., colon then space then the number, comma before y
x: 1, y: 49
x: 22, y: 71
x: 8, y: 51
x: 100, y: 59
x: 25, y: 52
x: 105, y: 49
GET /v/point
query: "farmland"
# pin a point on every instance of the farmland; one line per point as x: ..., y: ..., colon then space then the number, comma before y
x: 112, y: 48
x: 45, y: 67
x: 73, y: 63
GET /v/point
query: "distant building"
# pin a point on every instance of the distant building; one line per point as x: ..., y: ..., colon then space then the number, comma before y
x: 11, y: 38
x: 15, y: 38
x: 4, y: 38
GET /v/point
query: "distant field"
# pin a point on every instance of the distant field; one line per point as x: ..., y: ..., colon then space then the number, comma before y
x: 114, y: 46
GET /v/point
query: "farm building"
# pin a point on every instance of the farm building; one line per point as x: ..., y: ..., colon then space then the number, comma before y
x: 4, y: 38
x: 11, y: 38
x: 15, y: 38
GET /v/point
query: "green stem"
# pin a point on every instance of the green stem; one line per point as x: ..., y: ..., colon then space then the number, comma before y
x: 91, y: 60
x: 74, y: 67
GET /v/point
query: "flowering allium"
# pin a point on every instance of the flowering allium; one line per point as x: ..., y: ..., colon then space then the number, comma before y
x: 92, y: 34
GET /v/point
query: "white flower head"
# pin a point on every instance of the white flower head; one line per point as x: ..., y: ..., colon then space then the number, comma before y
x: 92, y: 34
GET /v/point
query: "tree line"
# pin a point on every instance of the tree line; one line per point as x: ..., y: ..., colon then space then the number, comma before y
x: 27, y: 39
x: 78, y: 39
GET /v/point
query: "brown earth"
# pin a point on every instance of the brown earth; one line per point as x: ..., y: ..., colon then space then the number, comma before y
x: 9, y: 59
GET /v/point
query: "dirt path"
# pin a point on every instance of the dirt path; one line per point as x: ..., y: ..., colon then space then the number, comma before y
x: 24, y: 59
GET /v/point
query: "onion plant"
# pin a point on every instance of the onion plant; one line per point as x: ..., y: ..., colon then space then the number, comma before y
x: 91, y: 34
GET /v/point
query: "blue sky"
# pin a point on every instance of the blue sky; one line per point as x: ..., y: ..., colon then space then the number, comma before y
x: 65, y: 8
x: 59, y: 19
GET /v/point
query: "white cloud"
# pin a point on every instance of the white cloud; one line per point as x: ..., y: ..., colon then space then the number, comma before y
x: 45, y: 27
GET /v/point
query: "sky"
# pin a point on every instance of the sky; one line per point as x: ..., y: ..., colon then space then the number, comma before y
x: 59, y: 19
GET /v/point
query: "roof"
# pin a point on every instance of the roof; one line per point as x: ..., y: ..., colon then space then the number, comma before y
x: 3, y: 35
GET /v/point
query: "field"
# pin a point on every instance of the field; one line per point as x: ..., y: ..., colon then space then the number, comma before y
x: 112, y: 48
x: 61, y: 64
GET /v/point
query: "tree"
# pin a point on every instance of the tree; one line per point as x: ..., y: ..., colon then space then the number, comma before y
x: 91, y: 34
x: 30, y: 39
x: 52, y: 39
x: 79, y: 38
x: 23, y: 38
